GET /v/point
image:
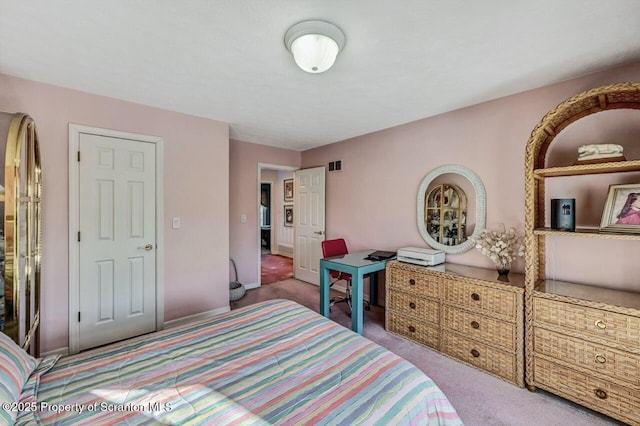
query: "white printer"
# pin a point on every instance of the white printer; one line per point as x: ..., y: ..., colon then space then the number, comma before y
x: 420, y: 256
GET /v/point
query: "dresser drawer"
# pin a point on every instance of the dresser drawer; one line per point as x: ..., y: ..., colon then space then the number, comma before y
x: 498, y: 362
x: 414, y: 306
x: 601, y: 395
x: 480, y: 298
x: 419, y: 331
x: 411, y: 279
x: 610, y: 326
x: 480, y: 327
x: 581, y: 353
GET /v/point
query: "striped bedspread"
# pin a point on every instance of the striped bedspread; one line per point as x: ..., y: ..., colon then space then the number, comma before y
x: 276, y: 362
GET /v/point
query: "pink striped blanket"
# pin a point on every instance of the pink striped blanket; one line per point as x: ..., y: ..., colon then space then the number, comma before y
x: 275, y: 362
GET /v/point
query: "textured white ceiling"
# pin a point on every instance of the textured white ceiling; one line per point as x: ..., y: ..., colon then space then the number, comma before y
x: 225, y: 59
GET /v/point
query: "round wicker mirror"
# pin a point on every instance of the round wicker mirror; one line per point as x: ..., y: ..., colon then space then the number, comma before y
x: 434, y: 217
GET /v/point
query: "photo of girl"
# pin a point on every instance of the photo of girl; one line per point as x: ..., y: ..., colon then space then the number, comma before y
x: 622, y: 209
x: 630, y: 213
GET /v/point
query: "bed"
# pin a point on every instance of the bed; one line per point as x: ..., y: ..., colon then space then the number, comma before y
x: 274, y: 362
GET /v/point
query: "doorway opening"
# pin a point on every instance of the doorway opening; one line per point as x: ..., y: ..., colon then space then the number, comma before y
x: 265, y: 217
x: 275, y: 237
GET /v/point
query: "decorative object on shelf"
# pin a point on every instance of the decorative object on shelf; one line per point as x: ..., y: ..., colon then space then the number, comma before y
x: 563, y: 214
x: 288, y: 189
x: 502, y: 246
x: 314, y: 45
x: 600, y: 153
x: 622, y: 209
x: 288, y: 215
x: 426, y: 226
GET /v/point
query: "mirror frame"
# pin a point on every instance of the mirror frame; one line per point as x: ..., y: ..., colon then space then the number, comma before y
x: 22, y: 232
x: 480, y: 201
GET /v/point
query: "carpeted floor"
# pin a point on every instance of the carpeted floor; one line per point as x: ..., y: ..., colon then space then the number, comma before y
x: 480, y: 398
x: 274, y: 268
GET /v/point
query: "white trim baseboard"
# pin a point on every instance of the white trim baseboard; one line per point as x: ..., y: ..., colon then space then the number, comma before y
x: 251, y: 286
x: 60, y: 351
x: 169, y: 324
x: 196, y: 317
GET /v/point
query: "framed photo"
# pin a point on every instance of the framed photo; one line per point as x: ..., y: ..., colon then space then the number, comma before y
x: 288, y: 215
x: 622, y: 209
x: 288, y: 189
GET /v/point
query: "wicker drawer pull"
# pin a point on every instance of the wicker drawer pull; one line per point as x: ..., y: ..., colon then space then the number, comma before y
x: 601, y: 394
x: 412, y: 305
x: 412, y: 329
x: 475, y: 353
x: 601, y: 324
x: 475, y: 324
x: 601, y: 359
x: 412, y: 281
x: 475, y: 296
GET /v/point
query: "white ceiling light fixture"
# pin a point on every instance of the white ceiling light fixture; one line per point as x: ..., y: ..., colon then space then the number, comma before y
x: 314, y: 44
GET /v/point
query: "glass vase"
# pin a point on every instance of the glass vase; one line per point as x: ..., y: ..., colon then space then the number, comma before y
x: 503, y: 268
x: 503, y: 272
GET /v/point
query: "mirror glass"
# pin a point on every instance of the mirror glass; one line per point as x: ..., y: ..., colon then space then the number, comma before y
x: 446, y: 214
x: 443, y: 208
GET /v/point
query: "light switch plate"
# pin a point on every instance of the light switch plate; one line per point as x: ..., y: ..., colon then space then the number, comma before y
x: 175, y: 223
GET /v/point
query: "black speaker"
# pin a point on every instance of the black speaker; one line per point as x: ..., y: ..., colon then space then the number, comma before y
x: 563, y: 214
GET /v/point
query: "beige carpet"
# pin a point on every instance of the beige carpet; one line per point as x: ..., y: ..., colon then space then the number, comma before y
x: 480, y: 398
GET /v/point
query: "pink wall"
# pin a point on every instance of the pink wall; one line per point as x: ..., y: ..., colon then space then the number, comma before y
x: 372, y: 201
x: 244, y: 246
x: 196, y: 152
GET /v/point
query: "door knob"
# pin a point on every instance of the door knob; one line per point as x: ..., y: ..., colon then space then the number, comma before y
x: 318, y: 232
x: 147, y: 247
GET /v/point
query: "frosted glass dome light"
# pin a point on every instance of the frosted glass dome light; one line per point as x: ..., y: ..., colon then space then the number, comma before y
x: 314, y: 45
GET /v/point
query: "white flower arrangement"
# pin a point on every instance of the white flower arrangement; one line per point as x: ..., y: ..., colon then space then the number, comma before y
x: 501, y: 246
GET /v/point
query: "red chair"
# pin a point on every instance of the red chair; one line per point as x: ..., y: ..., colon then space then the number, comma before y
x: 332, y: 248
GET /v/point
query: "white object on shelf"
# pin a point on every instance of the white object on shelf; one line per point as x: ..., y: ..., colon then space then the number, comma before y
x: 595, y: 151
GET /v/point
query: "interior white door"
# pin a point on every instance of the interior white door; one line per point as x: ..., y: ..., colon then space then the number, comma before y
x: 117, y: 258
x: 309, y: 221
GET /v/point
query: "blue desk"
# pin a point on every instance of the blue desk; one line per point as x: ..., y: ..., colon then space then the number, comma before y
x: 356, y: 265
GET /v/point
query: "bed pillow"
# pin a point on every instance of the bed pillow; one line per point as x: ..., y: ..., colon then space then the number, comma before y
x: 28, y: 398
x: 15, y: 368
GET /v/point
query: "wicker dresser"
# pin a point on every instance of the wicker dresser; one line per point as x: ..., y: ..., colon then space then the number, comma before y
x: 461, y: 311
x: 588, y: 351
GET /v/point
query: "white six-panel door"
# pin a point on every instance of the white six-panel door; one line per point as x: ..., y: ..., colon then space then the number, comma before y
x: 309, y: 223
x: 117, y: 240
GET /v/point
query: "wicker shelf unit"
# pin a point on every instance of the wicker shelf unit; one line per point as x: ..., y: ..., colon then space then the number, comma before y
x: 588, y: 169
x: 464, y: 312
x: 587, y: 233
x: 582, y: 341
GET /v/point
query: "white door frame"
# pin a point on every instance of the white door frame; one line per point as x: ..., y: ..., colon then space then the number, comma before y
x: 266, y: 166
x: 74, y: 223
